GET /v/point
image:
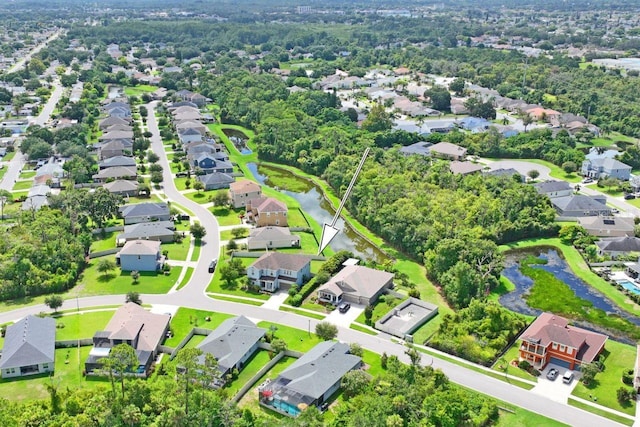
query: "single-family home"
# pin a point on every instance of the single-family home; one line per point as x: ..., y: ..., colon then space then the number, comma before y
x: 242, y: 192
x: 117, y: 172
x: 145, y: 212
x: 111, y: 121
x: 554, y: 189
x: 161, y: 231
x: 195, y: 125
x: 119, y: 127
x: 117, y: 161
x: 605, y: 167
x: 420, y: 148
x: 274, y: 269
x: 232, y: 343
x: 464, y: 168
x: 216, y: 180
x: 617, y: 246
x: 188, y: 135
x: 267, y: 211
x: 29, y: 347
x: 272, y: 238
x: 116, y: 148
x: 550, y: 339
x: 116, y: 134
x: 577, y: 205
x: 356, y: 284
x: 608, y: 226
x: 310, y: 380
x: 122, y: 187
x: 135, y: 326
x: 140, y: 255
x: 185, y: 115
x: 446, y: 150
x: 210, y: 163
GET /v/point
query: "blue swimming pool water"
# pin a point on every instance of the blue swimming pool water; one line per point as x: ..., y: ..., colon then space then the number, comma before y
x: 629, y: 286
x: 246, y: 151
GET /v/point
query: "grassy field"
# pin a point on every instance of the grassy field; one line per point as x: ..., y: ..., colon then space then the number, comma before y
x: 93, y: 283
x: 81, y: 325
x: 101, y: 243
x: 139, y: 90
x: 619, y: 357
x: 186, y: 319
x: 68, y: 373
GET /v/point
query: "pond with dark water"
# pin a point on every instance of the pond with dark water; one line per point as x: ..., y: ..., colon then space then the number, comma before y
x: 557, y: 266
x: 237, y: 138
x: 314, y: 205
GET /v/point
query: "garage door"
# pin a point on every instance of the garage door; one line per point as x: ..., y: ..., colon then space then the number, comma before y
x: 559, y: 362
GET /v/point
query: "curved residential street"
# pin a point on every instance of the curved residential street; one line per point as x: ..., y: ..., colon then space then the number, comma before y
x: 193, y: 296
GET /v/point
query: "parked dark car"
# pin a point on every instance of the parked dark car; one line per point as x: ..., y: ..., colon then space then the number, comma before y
x: 629, y: 196
x: 344, y: 307
x: 182, y: 174
x: 184, y: 217
x: 212, y: 266
x: 552, y: 374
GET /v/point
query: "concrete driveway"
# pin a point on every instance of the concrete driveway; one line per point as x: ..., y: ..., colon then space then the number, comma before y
x: 345, y: 319
x: 555, y: 390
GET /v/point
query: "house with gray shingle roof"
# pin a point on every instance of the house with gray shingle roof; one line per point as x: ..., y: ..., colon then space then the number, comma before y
x: 617, y: 246
x: 606, y: 167
x: 216, y: 180
x: 356, y: 284
x: 577, y: 205
x: 553, y: 189
x: 111, y: 121
x: 145, y: 212
x: 310, y: 380
x: 116, y: 172
x: 232, y: 343
x: 29, y: 347
x: 117, y: 161
x: 276, y: 268
x: 272, y: 238
x: 161, y: 231
x: 122, y: 187
x: 140, y: 255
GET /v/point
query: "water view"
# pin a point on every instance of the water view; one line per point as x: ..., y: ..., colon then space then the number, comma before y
x: 314, y: 205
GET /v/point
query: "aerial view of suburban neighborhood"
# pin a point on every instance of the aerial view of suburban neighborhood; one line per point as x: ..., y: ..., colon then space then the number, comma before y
x: 300, y: 213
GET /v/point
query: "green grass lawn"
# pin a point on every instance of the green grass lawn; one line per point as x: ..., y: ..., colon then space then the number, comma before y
x: 238, y: 300
x: 177, y: 251
x: 139, y: 90
x: 186, y: 277
x: 357, y: 327
x: 9, y: 156
x: 197, y: 246
x: 252, y: 366
x: 510, y: 355
x: 201, y: 197
x: 302, y: 312
x: 81, y: 325
x: 610, y: 191
x: 227, y: 216
x: 194, y: 341
x: 103, y: 243
x: 380, y: 309
x: 296, y: 339
x: 27, y: 174
x: 218, y: 286
x: 523, y: 418
x: 66, y: 374
x: 619, y: 357
x: 22, y: 185
x: 93, y: 283
x: 228, y: 234
x: 186, y: 319
x: 605, y: 414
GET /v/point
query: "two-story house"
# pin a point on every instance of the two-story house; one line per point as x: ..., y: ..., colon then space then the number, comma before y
x: 274, y: 269
x: 267, y: 212
x: 550, y: 339
x: 140, y: 255
x: 242, y: 192
x: 553, y: 189
x: 145, y: 212
x: 210, y: 163
x: 605, y: 167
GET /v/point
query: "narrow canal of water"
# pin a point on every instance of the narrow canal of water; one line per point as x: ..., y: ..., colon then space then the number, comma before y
x: 313, y: 204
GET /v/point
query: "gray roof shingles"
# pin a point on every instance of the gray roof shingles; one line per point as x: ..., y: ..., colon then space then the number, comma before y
x: 30, y: 341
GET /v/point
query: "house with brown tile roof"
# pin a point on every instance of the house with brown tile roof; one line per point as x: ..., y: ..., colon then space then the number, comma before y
x: 135, y: 326
x: 446, y: 150
x: 242, y: 192
x: 550, y: 339
x: 273, y: 269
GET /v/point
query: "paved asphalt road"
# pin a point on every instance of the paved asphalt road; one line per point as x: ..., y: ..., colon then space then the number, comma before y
x: 20, y: 63
x: 15, y: 165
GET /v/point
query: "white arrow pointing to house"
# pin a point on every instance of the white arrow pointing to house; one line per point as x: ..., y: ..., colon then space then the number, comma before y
x: 329, y: 231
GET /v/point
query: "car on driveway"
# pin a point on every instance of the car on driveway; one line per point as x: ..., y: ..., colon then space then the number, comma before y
x: 344, y: 307
x: 567, y: 377
x: 552, y: 374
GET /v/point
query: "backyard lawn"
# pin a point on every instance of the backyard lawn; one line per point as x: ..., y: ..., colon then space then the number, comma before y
x: 81, y: 325
x: 194, y: 341
x: 101, y: 243
x: 68, y: 373
x: 139, y: 90
x: 296, y: 339
x: 619, y: 357
x: 117, y: 282
x: 186, y: 319
x: 177, y: 251
x: 259, y: 359
x: 217, y: 285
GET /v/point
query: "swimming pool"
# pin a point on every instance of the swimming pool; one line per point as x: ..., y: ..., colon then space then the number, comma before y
x: 630, y: 286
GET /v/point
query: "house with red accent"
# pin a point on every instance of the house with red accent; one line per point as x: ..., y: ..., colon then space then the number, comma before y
x: 550, y: 339
x: 267, y: 211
